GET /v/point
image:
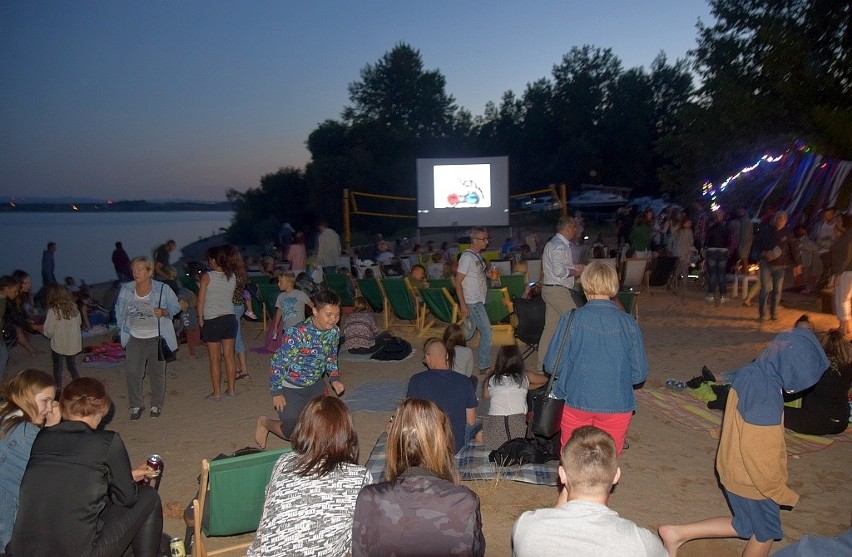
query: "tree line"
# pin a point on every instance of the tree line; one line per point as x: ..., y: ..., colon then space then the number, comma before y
x: 763, y: 74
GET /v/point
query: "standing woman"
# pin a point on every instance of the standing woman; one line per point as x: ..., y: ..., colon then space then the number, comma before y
x: 603, y: 358
x: 21, y: 312
x: 79, y: 495
x: 236, y: 262
x: 29, y: 406
x: 296, y: 254
x: 144, y: 311
x: 421, y: 474
x: 217, y: 319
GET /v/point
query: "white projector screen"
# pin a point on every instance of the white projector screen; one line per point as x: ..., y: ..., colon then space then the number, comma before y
x: 463, y: 192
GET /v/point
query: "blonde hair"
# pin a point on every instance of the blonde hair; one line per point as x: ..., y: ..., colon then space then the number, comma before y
x: 359, y: 303
x: 599, y: 278
x: 589, y: 460
x: 421, y: 435
x: 147, y: 263
x: 838, y: 350
x: 170, y: 272
x: 19, y: 394
x: 521, y: 268
x: 59, y: 299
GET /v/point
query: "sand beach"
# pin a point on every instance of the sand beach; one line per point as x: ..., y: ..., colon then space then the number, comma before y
x: 667, y: 473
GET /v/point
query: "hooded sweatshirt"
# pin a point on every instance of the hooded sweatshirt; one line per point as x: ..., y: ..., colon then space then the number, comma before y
x: 752, y: 456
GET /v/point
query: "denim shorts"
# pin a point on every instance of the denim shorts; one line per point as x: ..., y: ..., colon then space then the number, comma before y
x: 760, y: 518
x: 219, y: 328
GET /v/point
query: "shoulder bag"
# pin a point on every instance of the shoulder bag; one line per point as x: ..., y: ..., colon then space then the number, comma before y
x: 547, y: 410
x: 164, y: 353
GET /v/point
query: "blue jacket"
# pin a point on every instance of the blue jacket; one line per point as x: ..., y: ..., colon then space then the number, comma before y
x: 602, y: 360
x: 14, y: 455
x: 170, y: 302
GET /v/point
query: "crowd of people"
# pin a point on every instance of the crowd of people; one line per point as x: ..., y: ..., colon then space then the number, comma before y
x: 593, y: 350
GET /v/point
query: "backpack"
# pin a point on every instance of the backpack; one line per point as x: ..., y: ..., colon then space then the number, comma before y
x: 519, y: 451
x: 395, y: 348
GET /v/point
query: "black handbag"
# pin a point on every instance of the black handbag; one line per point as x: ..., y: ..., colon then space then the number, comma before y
x: 164, y: 353
x: 547, y: 410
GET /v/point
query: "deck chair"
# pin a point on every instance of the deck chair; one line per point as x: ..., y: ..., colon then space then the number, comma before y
x: 630, y: 301
x: 534, y: 269
x: 342, y: 286
x: 528, y: 322
x: 498, y: 306
x: 661, y: 273
x: 259, y: 309
x: 516, y: 284
x: 401, y: 301
x: 440, y: 307
x: 269, y: 294
x: 633, y: 274
x: 372, y: 291
x: 237, y: 488
x: 443, y: 283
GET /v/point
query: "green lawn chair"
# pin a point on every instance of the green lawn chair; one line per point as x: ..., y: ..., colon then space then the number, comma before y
x: 237, y: 488
x: 440, y: 305
x: 269, y: 294
x: 401, y: 300
x: 372, y: 291
x: 630, y: 301
x: 443, y: 283
x: 515, y: 283
x: 498, y: 305
x: 342, y: 286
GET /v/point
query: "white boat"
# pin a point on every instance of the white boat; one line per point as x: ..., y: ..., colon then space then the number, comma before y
x: 594, y: 199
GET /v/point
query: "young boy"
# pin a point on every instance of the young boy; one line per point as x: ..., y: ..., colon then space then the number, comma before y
x: 752, y: 456
x: 582, y: 524
x: 290, y: 304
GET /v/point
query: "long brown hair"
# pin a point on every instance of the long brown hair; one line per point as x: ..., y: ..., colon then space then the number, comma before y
x: 59, y: 299
x: 324, y: 437
x: 20, y: 394
x: 421, y: 435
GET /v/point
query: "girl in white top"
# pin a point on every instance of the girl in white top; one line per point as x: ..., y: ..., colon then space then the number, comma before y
x: 62, y: 327
x: 508, y: 384
x: 216, y: 317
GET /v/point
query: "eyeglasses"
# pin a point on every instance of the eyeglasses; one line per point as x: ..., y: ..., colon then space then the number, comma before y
x: 486, y: 239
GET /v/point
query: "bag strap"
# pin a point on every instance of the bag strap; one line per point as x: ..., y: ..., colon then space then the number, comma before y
x: 562, y: 343
x: 158, y: 305
x: 506, y: 425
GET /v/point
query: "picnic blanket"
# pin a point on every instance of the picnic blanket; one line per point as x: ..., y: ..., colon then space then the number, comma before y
x: 376, y: 397
x: 473, y: 464
x: 685, y: 409
x: 103, y: 355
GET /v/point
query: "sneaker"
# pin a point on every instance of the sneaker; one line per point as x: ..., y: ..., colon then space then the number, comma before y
x: 710, y: 299
x: 135, y: 413
x: 723, y: 300
x: 156, y: 411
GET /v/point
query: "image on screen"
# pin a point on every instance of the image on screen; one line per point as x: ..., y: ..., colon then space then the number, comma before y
x: 461, y: 186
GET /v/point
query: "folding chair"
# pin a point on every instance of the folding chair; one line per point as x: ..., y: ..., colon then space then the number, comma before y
x: 372, y: 291
x: 237, y: 488
x: 340, y: 285
x: 401, y: 300
x: 534, y: 269
x: 662, y: 270
x: 443, y: 283
x: 516, y: 284
x: 269, y: 294
x: 440, y: 305
x: 498, y: 306
x: 528, y: 322
x: 633, y: 280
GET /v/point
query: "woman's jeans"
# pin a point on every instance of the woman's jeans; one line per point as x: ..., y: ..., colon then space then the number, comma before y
x: 717, y: 260
x: 771, y: 282
x: 57, y: 367
x: 139, y: 527
x: 239, y: 345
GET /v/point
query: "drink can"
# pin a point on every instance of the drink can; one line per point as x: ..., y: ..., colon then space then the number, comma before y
x: 176, y: 548
x: 155, y: 464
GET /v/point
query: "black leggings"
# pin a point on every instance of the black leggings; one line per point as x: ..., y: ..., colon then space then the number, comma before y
x: 57, y: 368
x: 139, y: 527
x: 810, y: 422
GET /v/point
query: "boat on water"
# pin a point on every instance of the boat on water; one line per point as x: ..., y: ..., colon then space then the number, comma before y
x: 595, y: 199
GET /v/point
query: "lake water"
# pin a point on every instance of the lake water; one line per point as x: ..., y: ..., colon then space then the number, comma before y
x: 85, y: 241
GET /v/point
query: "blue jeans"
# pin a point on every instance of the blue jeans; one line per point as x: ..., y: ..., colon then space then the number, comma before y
x: 771, y: 281
x: 480, y: 320
x: 239, y: 345
x: 717, y: 260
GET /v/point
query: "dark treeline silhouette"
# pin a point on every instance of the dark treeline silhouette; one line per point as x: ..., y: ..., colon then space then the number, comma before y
x: 768, y: 75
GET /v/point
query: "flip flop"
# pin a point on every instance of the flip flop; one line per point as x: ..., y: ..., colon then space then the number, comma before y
x: 230, y: 394
x: 241, y: 375
x: 212, y: 398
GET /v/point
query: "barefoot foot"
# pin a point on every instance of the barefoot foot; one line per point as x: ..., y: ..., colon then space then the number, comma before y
x: 260, y: 433
x: 670, y: 539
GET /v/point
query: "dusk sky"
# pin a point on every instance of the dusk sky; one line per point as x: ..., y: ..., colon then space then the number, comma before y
x: 185, y: 99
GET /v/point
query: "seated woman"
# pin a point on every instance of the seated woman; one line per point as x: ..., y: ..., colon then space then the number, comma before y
x: 506, y: 389
x: 360, y: 331
x: 421, y: 474
x: 310, y: 498
x: 79, y: 495
x: 461, y: 357
x: 418, y: 276
x: 29, y: 406
x: 825, y: 406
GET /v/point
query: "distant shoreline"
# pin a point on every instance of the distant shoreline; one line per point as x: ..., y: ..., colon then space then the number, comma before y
x: 118, y: 207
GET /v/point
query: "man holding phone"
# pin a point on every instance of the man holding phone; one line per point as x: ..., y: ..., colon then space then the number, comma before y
x: 558, y: 273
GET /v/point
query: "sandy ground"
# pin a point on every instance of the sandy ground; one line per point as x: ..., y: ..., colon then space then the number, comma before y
x: 667, y: 474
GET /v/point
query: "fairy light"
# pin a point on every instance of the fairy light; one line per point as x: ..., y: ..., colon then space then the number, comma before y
x: 709, y: 190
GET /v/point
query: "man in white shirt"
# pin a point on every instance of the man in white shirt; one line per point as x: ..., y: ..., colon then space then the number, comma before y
x: 582, y: 524
x: 825, y: 238
x: 328, y: 248
x: 558, y: 271
x: 471, y: 288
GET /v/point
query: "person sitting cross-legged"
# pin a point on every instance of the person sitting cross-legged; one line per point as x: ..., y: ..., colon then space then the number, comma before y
x: 582, y: 524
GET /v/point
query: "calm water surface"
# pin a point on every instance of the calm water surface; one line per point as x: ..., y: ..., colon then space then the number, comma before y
x: 85, y: 241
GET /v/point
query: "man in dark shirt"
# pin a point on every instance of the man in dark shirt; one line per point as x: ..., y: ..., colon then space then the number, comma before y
x: 776, y: 254
x: 451, y: 391
x: 48, y: 265
x: 121, y: 262
x: 161, y: 259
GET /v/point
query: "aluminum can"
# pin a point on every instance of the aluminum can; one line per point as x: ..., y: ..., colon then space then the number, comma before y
x: 176, y: 548
x: 155, y: 464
